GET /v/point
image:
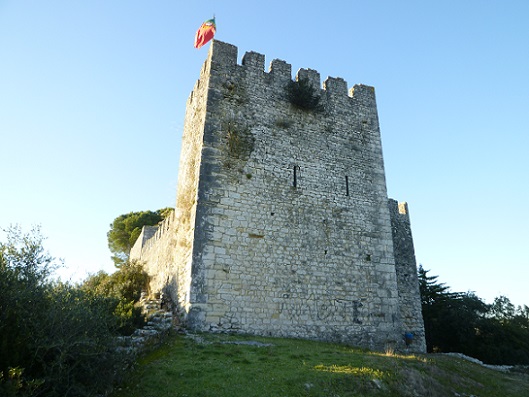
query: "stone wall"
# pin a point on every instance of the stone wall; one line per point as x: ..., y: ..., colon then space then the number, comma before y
x: 282, y: 225
x: 147, y: 232
x: 406, y: 269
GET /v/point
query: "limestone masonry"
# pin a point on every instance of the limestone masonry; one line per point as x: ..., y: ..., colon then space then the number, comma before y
x: 282, y: 224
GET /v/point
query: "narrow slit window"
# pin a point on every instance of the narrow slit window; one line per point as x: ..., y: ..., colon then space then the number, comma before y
x: 346, y: 185
x: 297, y: 171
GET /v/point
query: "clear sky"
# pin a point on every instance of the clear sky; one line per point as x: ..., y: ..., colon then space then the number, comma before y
x: 93, y: 93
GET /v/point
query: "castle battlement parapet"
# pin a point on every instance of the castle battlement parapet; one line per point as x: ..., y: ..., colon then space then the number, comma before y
x: 223, y: 57
x: 150, y: 236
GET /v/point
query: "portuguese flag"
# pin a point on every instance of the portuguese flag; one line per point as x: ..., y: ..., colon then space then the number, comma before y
x: 205, y: 33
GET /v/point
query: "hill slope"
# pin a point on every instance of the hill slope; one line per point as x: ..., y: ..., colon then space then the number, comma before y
x: 223, y: 365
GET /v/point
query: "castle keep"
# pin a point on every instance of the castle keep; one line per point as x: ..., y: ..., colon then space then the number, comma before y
x: 282, y: 223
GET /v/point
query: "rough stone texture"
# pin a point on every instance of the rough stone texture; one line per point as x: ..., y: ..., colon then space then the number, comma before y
x: 406, y: 268
x: 146, y: 234
x: 282, y: 224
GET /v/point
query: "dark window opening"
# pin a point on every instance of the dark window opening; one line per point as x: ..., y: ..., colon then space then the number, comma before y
x: 297, y: 172
x: 346, y: 185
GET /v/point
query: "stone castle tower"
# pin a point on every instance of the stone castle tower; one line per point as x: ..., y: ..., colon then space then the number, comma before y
x: 282, y: 224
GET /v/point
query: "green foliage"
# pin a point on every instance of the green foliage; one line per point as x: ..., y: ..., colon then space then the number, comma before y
x: 449, y: 318
x: 77, y: 354
x: 24, y: 268
x: 224, y: 365
x: 462, y: 322
x: 303, y: 95
x: 432, y: 292
x: 239, y: 142
x: 126, y: 228
x: 129, y: 316
x: 502, y: 309
x: 239, y: 139
x: 124, y: 288
x: 55, y: 339
x: 504, y: 334
x: 13, y: 384
x: 125, y: 283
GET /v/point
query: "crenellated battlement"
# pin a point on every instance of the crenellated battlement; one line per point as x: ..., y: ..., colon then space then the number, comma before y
x: 223, y: 58
x: 150, y: 235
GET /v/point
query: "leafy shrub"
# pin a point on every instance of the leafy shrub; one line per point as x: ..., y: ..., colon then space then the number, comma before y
x: 303, y: 95
x: 24, y: 268
x: 129, y: 316
x: 55, y: 339
x: 123, y: 286
x: 77, y: 352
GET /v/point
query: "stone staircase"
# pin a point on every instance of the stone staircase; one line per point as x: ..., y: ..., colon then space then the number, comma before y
x: 159, y: 324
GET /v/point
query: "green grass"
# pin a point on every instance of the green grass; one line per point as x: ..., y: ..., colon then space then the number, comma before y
x: 218, y: 367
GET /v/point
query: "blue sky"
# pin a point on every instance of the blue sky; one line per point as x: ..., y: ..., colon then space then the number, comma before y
x: 92, y: 101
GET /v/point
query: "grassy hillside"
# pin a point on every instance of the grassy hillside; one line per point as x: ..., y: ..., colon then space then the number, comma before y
x: 222, y: 365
